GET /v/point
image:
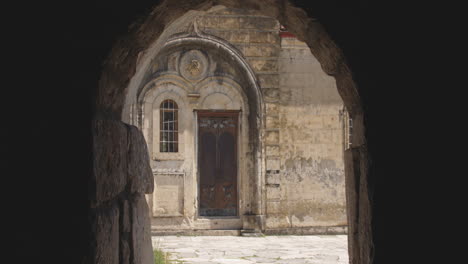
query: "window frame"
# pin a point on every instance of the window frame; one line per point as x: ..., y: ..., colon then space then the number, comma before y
x: 168, y: 135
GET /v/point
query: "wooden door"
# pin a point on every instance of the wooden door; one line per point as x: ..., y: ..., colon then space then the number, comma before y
x: 217, y: 146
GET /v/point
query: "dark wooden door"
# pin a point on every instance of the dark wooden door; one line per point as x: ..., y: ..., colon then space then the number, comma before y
x: 217, y: 145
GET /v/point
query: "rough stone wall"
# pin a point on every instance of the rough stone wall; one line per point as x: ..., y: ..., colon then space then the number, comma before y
x: 119, y: 212
x: 307, y: 187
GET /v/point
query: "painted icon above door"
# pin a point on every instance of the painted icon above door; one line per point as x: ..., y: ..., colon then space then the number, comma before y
x: 193, y: 65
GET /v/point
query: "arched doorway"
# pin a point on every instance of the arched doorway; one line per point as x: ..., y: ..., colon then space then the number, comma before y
x: 211, y: 82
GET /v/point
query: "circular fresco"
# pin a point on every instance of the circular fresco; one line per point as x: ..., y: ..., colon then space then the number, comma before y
x: 193, y: 65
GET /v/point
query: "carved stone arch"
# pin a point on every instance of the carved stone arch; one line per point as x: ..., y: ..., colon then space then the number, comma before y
x: 223, y: 85
x: 237, y: 98
x: 161, y: 79
x: 221, y: 80
x: 221, y: 44
x: 137, y: 108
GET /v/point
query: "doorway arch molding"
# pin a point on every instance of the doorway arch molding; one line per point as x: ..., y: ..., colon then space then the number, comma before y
x: 210, y: 40
x: 250, y: 92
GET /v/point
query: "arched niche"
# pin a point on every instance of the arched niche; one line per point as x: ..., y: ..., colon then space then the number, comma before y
x: 216, y: 93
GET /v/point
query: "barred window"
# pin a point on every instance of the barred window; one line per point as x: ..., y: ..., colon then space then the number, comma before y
x: 168, y: 136
x: 348, y: 130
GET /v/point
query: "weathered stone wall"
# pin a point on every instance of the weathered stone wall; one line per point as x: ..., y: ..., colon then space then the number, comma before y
x: 302, y: 132
x: 307, y: 187
x: 119, y: 212
x: 303, y: 122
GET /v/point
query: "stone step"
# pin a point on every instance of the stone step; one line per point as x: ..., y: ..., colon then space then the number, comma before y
x: 212, y: 232
x: 221, y: 223
x: 251, y: 233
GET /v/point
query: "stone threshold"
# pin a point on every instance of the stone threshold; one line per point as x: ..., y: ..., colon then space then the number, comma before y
x: 316, y: 230
x: 203, y: 232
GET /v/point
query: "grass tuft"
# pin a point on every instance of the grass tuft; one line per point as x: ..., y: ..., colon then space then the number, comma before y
x: 160, y: 257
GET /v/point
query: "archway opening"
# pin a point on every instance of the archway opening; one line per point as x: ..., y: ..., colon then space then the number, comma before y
x: 320, y: 46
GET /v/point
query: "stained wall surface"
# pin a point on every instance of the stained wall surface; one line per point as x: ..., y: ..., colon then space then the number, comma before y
x: 310, y: 188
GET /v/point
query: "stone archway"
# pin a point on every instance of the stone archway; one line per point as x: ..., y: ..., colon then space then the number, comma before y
x: 194, y: 95
x: 123, y: 62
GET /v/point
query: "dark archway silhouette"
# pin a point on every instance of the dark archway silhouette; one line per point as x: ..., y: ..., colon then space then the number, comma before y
x: 90, y: 34
x: 127, y: 55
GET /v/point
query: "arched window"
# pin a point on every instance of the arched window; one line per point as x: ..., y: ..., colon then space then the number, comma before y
x: 168, y: 126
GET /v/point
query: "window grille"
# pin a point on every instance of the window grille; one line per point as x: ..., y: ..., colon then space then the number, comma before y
x: 169, y: 134
x: 348, y: 130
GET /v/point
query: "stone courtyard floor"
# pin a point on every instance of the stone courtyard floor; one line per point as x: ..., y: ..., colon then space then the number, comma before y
x: 246, y: 250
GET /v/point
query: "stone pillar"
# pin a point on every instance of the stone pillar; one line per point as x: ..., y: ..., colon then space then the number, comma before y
x: 357, y: 196
x: 262, y: 53
x: 121, y: 177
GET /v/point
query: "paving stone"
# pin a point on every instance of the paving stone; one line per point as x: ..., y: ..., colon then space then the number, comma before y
x: 204, y: 262
x: 262, y: 260
x: 233, y: 261
x: 265, y: 250
x: 187, y: 255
